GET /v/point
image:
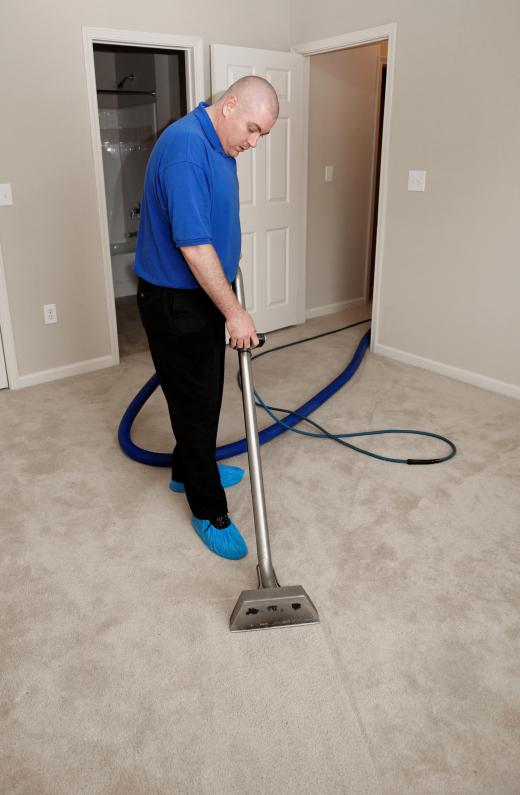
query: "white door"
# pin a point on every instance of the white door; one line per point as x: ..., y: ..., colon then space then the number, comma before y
x: 3, y: 370
x: 272, y: 187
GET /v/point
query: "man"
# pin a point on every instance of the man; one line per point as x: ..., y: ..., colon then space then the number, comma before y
x: 187, y: 255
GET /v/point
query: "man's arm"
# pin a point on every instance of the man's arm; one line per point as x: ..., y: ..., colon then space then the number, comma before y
x: 205, y: 265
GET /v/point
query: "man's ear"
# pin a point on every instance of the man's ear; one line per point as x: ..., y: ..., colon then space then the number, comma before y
x: 229, y: 105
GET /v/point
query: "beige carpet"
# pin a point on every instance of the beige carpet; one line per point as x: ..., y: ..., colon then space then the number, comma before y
x: 119, y: 674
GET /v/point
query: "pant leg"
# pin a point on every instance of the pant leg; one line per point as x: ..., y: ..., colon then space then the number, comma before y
x: 186, y: 334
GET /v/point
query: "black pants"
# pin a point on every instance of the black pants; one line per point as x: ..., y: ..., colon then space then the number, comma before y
x: 186, y: 334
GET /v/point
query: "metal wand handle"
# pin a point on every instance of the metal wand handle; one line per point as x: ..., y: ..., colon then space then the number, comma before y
x: 266, y: 572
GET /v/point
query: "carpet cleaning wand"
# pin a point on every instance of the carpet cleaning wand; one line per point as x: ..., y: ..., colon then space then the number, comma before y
x: 270, y: 605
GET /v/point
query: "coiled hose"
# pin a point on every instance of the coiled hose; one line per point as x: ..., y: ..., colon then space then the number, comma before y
x: 279, y: 426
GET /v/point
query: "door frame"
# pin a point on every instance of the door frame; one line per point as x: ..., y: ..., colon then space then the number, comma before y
x: 193, y: 47
x: 6, y: 334
x: 4, y: 383
x: 343, y: 42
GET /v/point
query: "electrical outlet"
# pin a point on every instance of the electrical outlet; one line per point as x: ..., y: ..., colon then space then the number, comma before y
x: 49, y: 313
x: 6, y: 194
x: 417, y: 180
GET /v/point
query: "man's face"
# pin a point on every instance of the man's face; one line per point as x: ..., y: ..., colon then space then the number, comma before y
x: 242, y: 128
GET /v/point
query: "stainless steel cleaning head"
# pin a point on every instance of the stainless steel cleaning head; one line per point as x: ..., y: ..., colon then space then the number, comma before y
x: 264, y: 608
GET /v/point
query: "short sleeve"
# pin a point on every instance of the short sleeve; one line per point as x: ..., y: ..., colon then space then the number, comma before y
x: 188, y: 198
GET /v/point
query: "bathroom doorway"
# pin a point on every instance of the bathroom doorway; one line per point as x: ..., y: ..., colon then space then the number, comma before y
x: 140, y: 91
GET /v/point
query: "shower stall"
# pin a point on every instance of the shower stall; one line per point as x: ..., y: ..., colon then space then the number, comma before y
x: 140, y: 91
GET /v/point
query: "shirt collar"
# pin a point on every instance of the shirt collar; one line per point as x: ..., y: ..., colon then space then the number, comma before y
x: 207, y: 126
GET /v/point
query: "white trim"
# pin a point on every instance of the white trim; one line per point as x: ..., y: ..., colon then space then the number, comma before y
x: 78, y: 368
x: 354, y: 39
x: 302, y: 281
x: 469, y: 377
x: 345, y: 40
x: 195, y: 93
x: 6, y: 326
x: 329, y: 309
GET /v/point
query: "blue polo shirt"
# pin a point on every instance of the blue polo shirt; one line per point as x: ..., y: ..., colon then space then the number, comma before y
x: 190, y: 197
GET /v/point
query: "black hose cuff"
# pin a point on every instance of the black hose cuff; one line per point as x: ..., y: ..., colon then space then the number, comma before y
x: 424, y: 460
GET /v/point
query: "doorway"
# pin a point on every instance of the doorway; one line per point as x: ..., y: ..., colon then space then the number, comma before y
x: 192, y: 49
x: 140, y: 91
x: 378, y: 129
x: 348, y: 41
x: 345, y: 120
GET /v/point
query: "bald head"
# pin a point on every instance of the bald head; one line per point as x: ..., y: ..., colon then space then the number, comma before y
x: 252, y: 91
x: 244, y: 113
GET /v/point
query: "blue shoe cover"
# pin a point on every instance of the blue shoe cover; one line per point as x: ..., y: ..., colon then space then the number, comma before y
x: 229, y: 476
x: 228, y: 543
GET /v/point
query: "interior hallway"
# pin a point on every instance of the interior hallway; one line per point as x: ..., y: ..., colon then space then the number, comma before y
x: 120, y: 676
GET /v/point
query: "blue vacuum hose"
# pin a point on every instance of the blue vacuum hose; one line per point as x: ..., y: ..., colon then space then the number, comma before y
x: 234, y: 448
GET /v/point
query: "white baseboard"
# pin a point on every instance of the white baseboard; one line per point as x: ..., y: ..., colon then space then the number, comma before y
x: 469, y: 377
x: 31, y: 379
x: 329, y: 309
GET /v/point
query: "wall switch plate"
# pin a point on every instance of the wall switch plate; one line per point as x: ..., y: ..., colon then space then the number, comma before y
x: 329, y: 173
x: 49, y: 313
x: 416, y: 180
x: 6, y: 194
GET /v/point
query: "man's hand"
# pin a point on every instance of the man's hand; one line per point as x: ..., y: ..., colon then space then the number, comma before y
x: 241, y: 329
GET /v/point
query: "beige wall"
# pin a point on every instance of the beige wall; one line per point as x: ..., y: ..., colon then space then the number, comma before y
x: 451, y: 271
x: 50, y: 237
x: 342, y: 120
x: 451, y: 275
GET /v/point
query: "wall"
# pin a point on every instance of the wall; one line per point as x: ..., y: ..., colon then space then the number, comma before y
x: 50, y: 238
x: 451, y: 275
x: 450, y: 280
x: 338, y: 213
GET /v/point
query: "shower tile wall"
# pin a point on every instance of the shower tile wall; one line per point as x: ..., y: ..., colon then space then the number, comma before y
x: 108, y: 123
x: 127, y: 138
